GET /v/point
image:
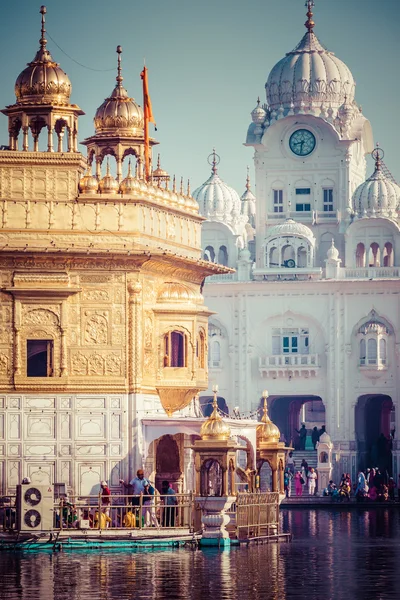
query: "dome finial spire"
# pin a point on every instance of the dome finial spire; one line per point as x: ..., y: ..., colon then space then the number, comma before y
x: 213, y: 160
x: 119, y: 75
x: 248, y: 179
x: 43, y: 40
x: 377, y: 154
x: 309, y: 24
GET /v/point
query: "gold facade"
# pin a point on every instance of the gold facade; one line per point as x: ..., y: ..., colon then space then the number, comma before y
x: 97, y: 272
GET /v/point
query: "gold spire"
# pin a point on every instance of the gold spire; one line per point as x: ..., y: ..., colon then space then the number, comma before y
x: 309, y: 24
x: 377, y: 154
x: 119, y: 77
x: 43, y: 40
x: 267, y: 431
x: 214, y: 428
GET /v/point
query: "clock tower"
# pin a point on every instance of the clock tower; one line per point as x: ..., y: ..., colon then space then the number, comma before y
x: 310, y: 140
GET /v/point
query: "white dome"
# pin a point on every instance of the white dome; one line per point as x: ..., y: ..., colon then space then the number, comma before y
x: 333, y: 252
x: 310, y: 74
x: 217, y: 201
x: 379, y: 195
x: 258, y: 114
x: 290, y: 228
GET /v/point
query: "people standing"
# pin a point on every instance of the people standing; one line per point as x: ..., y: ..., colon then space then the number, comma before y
x: 302, y: 435
x: 136, y: 485
x: 298, y: 483
x: 105, y: 499
x: 290, y: 463
x: 312, y: 480
x: 315, y: 437
x: 170, y: 502
x: 150, y: 517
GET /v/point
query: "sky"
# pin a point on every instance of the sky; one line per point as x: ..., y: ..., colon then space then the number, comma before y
x: 208, y: 62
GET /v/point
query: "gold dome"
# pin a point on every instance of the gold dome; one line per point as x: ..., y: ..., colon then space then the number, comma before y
x: 267, y: 431
x: 119, y: 111
x: 214, y: 428
x: 43, y: 81
x: 176, y: 292
x: 130, y: 184
x: 88, y: 184
x: 108, y: 185
x: 159, y: 175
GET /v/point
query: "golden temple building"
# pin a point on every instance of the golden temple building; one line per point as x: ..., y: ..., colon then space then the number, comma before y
x: 102, y: 320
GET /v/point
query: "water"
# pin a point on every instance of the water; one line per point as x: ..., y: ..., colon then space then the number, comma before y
x: 338, y: 555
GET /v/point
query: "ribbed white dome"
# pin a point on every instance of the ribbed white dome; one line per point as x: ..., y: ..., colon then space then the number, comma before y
x: 216, y: 199
x: 378, y: 195
x: 333, y: 252
x: 290, y: 228
x: 310, y: 74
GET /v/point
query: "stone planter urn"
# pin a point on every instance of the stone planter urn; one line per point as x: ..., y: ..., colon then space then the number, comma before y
x: 215, y: 519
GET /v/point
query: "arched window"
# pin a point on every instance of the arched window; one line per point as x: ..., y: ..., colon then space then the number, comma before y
x: 388, y: 256
x: 209, y: 254
x: 372, y: 351
x: 363, y: 352
x: 223, y: 256
x: 174, y: 349
x: 274, y: 258
x: 201, y: 350
x: 360, y: 255
x: 288, y: 253
x: 215, y: 355
x: 382, y: 351
x: 302, y: 257
x: 374, y: 257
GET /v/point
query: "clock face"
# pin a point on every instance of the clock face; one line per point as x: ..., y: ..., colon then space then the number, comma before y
x: 302, y: 142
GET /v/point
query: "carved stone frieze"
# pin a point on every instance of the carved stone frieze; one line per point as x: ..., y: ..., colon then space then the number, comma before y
x: 96, y: 328
x: 96, y: 295
x: 96, y: 364
x: 40, y: 316
x: 4, y: 365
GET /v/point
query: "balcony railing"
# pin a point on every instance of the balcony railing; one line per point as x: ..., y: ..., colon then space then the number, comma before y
x: 294, y: 365
x: 371, y: 272
x: 221, y: 278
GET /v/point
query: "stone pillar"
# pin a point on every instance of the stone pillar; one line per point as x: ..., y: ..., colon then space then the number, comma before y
x: 50, y: 139
x: 214, y: 519
x: 324, y: 465
x: 25, y: 146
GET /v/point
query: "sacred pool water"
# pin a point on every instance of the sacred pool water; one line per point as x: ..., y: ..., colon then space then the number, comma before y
x: 337, y: 554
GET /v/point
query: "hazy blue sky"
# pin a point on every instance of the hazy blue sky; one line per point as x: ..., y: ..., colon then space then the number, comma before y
x: 208, y: 61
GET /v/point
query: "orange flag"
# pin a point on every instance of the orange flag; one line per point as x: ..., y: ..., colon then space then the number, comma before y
x: 148, y: 118
x: 148, y: 111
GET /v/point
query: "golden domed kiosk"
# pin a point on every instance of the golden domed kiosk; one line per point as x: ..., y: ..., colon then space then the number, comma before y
x: 270, y: 449
x: 215, y: 464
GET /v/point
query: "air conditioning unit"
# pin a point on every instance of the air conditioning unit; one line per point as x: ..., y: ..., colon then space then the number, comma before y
x: 35, y: 507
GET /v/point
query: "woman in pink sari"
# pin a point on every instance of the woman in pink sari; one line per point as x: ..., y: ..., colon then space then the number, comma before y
x: 298, y: 484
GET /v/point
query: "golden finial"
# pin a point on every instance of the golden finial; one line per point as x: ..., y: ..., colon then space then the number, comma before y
x: 119, y: 77
x: 309, y: 24
x: 181, y: 188
x: 43, y: 40
x: 158, y: 162
x: 174, y: 184
x: 188, y: 188
x: 214, y: 428
x: 129, y: 168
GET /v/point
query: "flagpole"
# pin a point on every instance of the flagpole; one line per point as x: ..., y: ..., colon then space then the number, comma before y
x: 148, y: 118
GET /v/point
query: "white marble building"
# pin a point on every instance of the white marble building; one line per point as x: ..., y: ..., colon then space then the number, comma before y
x: 312, y: 312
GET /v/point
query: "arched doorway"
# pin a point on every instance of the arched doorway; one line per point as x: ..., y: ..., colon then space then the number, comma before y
x: 375, y: 430
x: 288, y: 412
x: 168, y: 462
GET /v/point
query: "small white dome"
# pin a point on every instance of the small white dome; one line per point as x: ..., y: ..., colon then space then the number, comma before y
x: 291, y: 228
x: 333, y: 252
x: 217, y: 200
x: 258, y: 114
x: 310, y: 74
x: 379, y: 195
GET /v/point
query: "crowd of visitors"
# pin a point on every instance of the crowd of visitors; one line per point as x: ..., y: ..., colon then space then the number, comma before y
x: 371, y: 486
